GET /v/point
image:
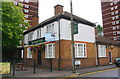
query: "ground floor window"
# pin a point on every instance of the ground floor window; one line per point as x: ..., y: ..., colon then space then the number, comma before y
x: 101, y: 50
x: 29, y: 53
x: 80, y: 50
x: 50, y: 51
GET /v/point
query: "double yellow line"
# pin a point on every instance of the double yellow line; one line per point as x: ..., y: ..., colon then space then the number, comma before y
x: 88, y: 73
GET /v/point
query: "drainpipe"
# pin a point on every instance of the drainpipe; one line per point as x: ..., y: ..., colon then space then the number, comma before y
x: 59, y: 63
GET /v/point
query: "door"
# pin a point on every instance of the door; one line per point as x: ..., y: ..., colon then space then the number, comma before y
x: 39, y: 57
x: 110, y: 57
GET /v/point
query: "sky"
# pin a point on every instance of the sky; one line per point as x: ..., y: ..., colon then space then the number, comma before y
x: 87, y: 9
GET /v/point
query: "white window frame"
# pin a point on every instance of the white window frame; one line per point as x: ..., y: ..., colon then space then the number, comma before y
x: 117, y: 17
x: 50, y: 28
x: 118, y: 32
x: 113, y: 23
x: 114, y: 28
x: 78, y: 50
x: 26, y: 16
x: 26, y: 21
x: 116, y: 12
x: 112, y: 8
x: 113, y: 18
x: 117, y: 22
x: 115, y: 38
x: 26, y: 6
x: 15, y: 3
x: 27, y: 1
x: 26, y: 11
x: 111, y: 4
x: 112, y: 13
x: 29, y: 53
x: 50, y: 51
x: 116, y: 7
x: 101, y: 51
x: 114, y: 33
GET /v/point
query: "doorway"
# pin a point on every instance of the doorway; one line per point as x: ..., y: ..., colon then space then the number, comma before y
x: 110, y: 57
x: 39, y: 57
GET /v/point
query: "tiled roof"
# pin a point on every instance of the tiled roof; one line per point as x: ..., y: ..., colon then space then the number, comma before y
x: 102, y: 39
x: 64, y: 15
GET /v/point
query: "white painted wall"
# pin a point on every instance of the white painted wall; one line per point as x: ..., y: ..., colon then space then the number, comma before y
x: 86, y: 33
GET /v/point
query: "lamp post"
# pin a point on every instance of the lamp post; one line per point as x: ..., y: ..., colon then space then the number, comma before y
x: 72, y: 39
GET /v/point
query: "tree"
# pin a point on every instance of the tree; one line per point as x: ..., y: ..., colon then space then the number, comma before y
x: 100, y: 30
x: 12, y: 28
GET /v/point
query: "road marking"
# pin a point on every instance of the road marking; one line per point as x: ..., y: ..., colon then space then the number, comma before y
x: 88, y: 73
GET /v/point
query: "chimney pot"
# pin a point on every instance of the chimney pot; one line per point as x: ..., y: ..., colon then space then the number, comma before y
x: 58, y: 9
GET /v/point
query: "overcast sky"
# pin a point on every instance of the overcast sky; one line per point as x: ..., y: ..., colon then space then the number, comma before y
x: 87, y: 9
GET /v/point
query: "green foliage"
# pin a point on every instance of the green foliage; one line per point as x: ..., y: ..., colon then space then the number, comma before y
x: 100, y: 30
x: 12, y: 18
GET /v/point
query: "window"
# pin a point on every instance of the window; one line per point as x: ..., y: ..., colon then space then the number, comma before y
x: 26, y: 6
x: 113, y: 23
x: 112, y: 8
x: 117, y: 17
x: 118, y: 32
x: 116, y: 7
x: 114, y: 33
x: 30, y: 36
x: 117, y: 22
x: 26, y: 16
x: 27, y: 1
x: 80, y: 50
x: 118, y: 27
x: 50, y: 51
x: 50, y: 28
x: 118, y: 38
x: 15, y: 3
x: 112, y: 13
x: 25, y: 20
x: 113, y: 18
x: 115, y: 38
x: 114, y: 28
x: 26, y: 11
x: 38, y: 33
x: 116, y: 12
x: 29, y: 53
x: 101, y: 50
x: 115, y: 2
x: 111, y: 4
x: 21, y: 0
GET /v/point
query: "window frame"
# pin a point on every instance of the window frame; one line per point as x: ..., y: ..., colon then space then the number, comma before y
x: 29, y: 53
x: 101, y: 52
x: 48, y: 51
x: 77, y: 50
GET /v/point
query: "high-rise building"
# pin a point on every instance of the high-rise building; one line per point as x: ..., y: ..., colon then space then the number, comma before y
x: 111, y: 19
x: 30, y: 9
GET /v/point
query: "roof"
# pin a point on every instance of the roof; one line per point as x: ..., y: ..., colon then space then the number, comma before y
x: 64, y: 15
x: 105, y: 40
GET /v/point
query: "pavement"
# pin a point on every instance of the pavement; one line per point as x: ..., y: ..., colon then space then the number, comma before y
x: 46, y: 72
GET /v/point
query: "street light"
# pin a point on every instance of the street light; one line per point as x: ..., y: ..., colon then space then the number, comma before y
x: 72, y: 39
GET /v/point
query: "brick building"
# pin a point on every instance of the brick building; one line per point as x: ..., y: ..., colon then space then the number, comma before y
x: 52, y: 39
x: 30, y: 9
x: 111, y: 18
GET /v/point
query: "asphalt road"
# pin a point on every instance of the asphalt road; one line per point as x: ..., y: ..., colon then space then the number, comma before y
x: 105, y: 73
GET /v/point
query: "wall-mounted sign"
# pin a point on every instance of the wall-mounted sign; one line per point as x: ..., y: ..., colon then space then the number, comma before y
x: 75, y: 28
x: 50, y: 37
x: 41, y: 40
x: 4, y: 68
x: 77, y: 62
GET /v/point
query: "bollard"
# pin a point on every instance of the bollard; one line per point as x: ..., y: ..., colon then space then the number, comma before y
x: 34, y: 67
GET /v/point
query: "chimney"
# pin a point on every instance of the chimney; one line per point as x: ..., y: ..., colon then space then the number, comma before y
x: 34, y: 20
x: 58, y: 9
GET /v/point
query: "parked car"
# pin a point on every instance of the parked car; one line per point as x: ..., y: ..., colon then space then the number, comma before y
x: 117, y: 62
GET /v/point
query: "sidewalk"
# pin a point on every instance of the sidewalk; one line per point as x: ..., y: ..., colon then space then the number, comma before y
x: 47, y: 73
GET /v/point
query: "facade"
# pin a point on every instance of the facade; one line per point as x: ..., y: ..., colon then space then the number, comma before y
x: 51, y: 39
x: 111, y: 19
x: 30, y: 10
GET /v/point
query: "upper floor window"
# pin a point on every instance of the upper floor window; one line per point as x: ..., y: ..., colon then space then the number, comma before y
x: 27, y: 1
x: 26, y: 11
x: 50, y: 28
x: 21, y: 0
x: 101, y: 50
x: 26, y: 6
x: 50, y: 51
x: 116, y: 7
x: 117, y: 22
x: 117, y: 17
x: 115, y: 2
x: 114, y: 38
x: 114, y: 33
x: 38, y: 33
x: 26, y: 16
x: 80, y: 50
x: 112, y: 8
x: 111, y: 4
x: 16, y: 3
x: 112, y: 13
x: 30, y: 36
x: 118, y: 32
x: 114, y: 28
x: 118, y: 27
x: 116, y: 12
x: 113, y: 23
x: 113, y: 18
x: 25, y: 20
